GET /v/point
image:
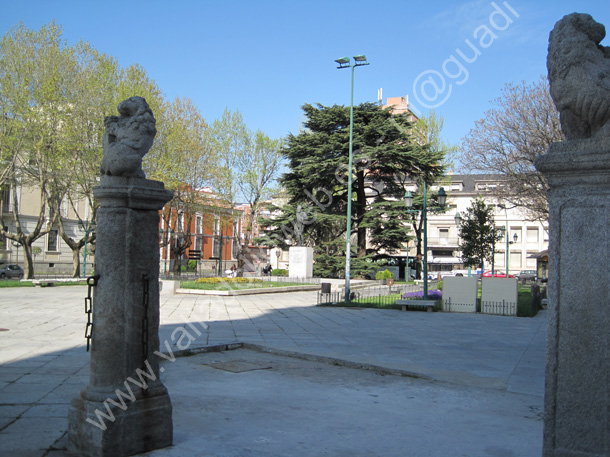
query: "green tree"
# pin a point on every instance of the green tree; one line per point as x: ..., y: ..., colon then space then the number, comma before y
x: 232, y: 142
x: 522, y: 125
x: 428, y: 131
x: 385, y: 157
x: 37, y: 97
x: 185, y: 161
x: 257, y: 169
x: 96, y: 79
x: 54, y: 98
x: 478, y: 234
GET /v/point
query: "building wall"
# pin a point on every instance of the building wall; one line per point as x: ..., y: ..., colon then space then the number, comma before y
x: 462, y: 190
x: 51, y: 254
x: 204, y: 231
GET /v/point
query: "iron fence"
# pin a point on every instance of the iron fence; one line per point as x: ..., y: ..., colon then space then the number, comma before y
x: 502, y: 308
x: 373, y: 295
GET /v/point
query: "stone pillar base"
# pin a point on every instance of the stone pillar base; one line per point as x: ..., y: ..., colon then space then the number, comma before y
x: 102, y: 429
x: 577, y: 415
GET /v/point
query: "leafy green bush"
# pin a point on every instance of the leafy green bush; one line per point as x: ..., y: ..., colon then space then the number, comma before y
x: 385, y: 274
x: 192, y: 265
x: 279, y: 272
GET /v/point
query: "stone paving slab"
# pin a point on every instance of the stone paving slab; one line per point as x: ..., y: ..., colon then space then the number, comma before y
x: 43, y: 363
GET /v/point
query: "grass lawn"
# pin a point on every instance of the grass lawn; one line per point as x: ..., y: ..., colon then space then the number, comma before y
x: 15, y: 283
x: 229, y: 285
x: 524, y: 302
x: 28, y: 283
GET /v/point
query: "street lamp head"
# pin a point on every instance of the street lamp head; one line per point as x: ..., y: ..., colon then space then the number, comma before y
x: 408, y: 198
x: 458, y: 218
x: 343, y: 62
x: 442, y: 197
x: 515, y: 237
x: 360, y: 60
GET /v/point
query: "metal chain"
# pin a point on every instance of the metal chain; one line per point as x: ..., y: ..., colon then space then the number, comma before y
x: 91, y: 282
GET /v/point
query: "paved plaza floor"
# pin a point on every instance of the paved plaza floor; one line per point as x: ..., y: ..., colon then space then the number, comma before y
x: 310, y: 381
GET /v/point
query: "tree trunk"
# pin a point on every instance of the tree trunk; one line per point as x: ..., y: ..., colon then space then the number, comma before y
x: 360, y: 212
x: 76, y: 263
x: 29, y: 260
x: 241, y: 260
x: 419, y: 245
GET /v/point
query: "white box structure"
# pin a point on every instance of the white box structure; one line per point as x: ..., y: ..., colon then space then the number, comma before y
x: 300, y: 262
x: 460, y: 294
x: 499, y: 296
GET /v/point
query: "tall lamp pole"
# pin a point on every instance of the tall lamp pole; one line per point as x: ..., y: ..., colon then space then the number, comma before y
x: 344, y: 62
x: 508, y: 243
x: 442, y: 199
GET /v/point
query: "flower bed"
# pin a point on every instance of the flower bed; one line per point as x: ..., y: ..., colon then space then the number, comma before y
x: 434, y: 294
x: 217, y: 280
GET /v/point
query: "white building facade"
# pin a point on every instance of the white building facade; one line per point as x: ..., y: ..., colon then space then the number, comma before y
x: 526, y: 237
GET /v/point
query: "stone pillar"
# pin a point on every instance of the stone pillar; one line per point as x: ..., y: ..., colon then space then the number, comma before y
x: 577, y: 411
x: 125, y: 409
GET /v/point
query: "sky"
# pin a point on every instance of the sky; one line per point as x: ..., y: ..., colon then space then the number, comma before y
x: 267, y: 58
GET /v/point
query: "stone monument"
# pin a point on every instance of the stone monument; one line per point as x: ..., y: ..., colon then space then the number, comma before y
x: 125, y: 409
x: 300, y: 262
x: 577, y: 409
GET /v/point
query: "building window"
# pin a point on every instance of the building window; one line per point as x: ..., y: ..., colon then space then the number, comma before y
x: 198, y: 243
x: 234, y: 248
x: 529, y: 262
x: 532, y: 234
x: 516, y: 231
x: 443, y: 235
x: 216, y: 241
x: 5, y: 199
x: 63, y: 207
x: 500, y: 259
x: 198, y: 225
x: 180, y: 222
x: 515, y: 260
x: 52, y: 240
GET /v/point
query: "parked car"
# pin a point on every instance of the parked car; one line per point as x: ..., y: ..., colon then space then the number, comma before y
x: 11, y: 271
x: 497, y: 274
x: 527, y: 275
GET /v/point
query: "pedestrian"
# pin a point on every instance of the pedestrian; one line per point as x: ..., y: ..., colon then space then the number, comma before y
x: 233, y: 270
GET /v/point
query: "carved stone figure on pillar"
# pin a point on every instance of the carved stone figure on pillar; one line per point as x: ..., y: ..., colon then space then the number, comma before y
x: 579, y: 76
x: 128, y: 138
x: 577, y: 414
x: 125, y: 335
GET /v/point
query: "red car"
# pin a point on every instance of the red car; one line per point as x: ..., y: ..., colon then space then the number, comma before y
x: 497, y: 274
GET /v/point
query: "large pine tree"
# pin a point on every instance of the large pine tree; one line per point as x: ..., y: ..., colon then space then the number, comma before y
x: 385, y: 156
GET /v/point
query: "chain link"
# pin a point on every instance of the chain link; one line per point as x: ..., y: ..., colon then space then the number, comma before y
x: 91, y: 282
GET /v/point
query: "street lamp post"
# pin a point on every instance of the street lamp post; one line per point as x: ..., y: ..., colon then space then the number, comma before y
x: 442, y: 199
x: 344, y: 62
x: 504, y: 232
